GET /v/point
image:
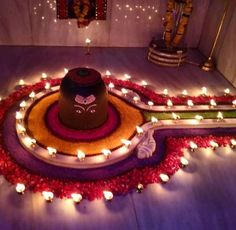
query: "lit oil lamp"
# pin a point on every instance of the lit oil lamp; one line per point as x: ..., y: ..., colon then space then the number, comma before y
x: 164, y: 178
x: 227, y: 92
x: 183, y: 162
x: 108, y: 195
x: 165, y: 92
x: 136, y: 99
x: 125, y: 142
x: 76, y: 197
x: 193, y: 146
x: 169, y: 103
x: 106, y: 152
x: 51, y: 151
x: 190, y: 103
x: 213, y: 103
x: 204, y: 91
x: 220, y: 116
x: 20, y: 188
x: 184, y: 93
x: 175, y: 116
x: 48, y: 196
x: 199, y: 117
x: 154, y: 120
x: 150, y: 103
x: 214, y: 145
x: 32, y: 95
x: 87, y: 42
x: 139, y: 188
x: 139, y: 130
x: 81, y: 155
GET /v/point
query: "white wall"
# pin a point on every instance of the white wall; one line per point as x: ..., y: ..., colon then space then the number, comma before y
x: 225, y: 52
x: 20, y: 26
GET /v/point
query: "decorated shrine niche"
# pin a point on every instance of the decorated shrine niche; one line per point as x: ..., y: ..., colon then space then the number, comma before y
x: 170, y: 50
x: 84, y: 11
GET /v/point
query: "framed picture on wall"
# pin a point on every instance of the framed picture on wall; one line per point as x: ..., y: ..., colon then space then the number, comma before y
x: 83, y: 10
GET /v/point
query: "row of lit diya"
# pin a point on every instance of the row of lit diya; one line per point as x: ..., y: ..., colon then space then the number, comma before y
x: 108, y: 195
x: 31, y: 142
x: 165, y: 92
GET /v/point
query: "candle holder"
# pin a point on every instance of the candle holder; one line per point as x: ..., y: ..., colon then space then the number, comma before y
x: 87, y: 41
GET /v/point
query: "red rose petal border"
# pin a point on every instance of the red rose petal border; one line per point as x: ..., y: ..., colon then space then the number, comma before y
x: 118, y: 185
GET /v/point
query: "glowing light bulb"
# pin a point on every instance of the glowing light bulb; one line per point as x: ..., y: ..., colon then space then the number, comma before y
x: 66, y: 70
x: 190, y: 103
x: 212, y: 103
x: 139, y: 130
x: 125, y: 142
x: 20, y: 188
x: 51, y: 151
x: 48, y: 196
x: 81, y: 155
x: 106, y: 152
x: 169, y: 103
x: 214, y: 145
x: 193, y: 146
x: 220, y: 116
x: 164, y: 177
x: 184, y: 92
x: 183, y: 162
x: 108, y: 195
x: 76, y: 197
x: 154, y: 120
x: 175, y: 116
x: 199, y: 117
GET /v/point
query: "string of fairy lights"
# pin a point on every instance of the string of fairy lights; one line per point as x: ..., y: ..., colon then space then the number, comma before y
x: 138, y: 11
x: 43, y: 9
